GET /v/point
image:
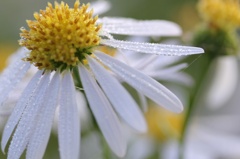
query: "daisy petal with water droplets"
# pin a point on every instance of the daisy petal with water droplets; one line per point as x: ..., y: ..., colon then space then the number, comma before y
x: 69, y: 126
x: 123, y: 103
x: 28, y: 120
x: 19, y: 109
x: 143, y: 83
x: 127, y: 26
x: 104, y: 114
x: 41, y: 134
x: 152, y: 48
x: 13, y: 74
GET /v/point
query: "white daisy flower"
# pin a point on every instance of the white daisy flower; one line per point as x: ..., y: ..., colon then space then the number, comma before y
x: 62, y: 43
x: 223, y: 83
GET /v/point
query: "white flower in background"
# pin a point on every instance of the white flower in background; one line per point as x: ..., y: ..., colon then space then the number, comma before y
x: 224, y: 82
x: 62, y: 43
x: 213, y: 131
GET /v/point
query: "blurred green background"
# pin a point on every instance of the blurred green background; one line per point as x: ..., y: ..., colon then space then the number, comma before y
x: 13, y: 14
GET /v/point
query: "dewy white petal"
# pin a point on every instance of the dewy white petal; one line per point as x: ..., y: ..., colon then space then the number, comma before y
x: 69, y: 124
x: 125, y: 26
x: 123, y: 103
x: 100, y: 7
x: 12, y: 75
x: 27, y: 122
x: 41, y: 134
x: 115, y: 20
x: 19, y: 108
x: 152, y: 48
x: 143, y: 83
x: 105, y: 34
x: 104, y: 114
x: 19, y: 54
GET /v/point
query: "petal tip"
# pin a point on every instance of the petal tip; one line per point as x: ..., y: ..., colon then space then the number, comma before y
x: 141, y: 127
x: 201, y: 51
x: 179, y: 109
x: 121, y: 153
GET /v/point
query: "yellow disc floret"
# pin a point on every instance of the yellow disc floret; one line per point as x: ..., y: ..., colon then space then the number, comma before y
x: 220, y: 13
x: 60, y: 36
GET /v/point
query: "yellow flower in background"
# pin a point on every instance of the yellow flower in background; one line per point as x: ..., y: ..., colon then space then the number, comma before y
x: 3, y: 60
x: 218, y: 34
x: 220, y: 13
x: 169, y: 129
x: 5, y: 51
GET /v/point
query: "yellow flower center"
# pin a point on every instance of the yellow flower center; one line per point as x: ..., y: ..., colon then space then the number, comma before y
x: 60, y: 36
x: 220, y: 13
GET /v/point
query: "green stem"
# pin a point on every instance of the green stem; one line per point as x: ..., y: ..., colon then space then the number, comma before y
x: 204, y: 65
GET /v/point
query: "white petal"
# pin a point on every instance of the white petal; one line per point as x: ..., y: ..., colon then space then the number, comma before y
x: 83, y: 111
x: 164, y: 61
x: 18, y: 55
x: 28, y: 120
x: 143, y: 83
x: 126, y: 26
x: 105, y: 34
x: 223, y: 81
x: 178, y: 77
x: 40, y: 136
x: 104, y: 114
x: 141, y: 61
x: 123, y: 103
x: 69, y: 124
x: 19, y: 108
x: 152, y: 48
x: 100, y: 7
x: 12, y: 75
x: 159, y: 70
x: 143, y: 102
x: 165, y: 71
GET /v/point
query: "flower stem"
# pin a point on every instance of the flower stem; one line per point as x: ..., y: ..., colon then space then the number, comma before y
x: 203, y: 63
